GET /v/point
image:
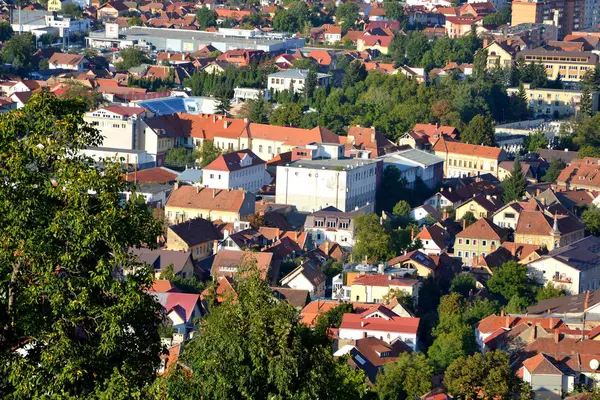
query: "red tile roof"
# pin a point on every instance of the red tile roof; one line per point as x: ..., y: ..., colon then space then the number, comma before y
x: 388, y: 323
x: 232, y: 161
x: 207, y: 199
x: 493, y: 322
x: 152, y: 175
x: 467, y: 149
x: 483, y: 228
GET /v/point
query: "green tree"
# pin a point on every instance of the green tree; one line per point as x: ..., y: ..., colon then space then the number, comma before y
x: 289, y: 114
x: 535, y: 141
x: 258, y: 110
x: 485, y: 376
x: 469, y: 219
x: 393, y: 10
x: 65, y: 235
x: 511, y: 280
x: 588, y: 151
x: 407, y: 378
x: 514, y: 185
x: 256, y: 348
x: 480, y: 131
x: 591, y: 220
x: 347, y: 14
x: 6, y: 31
x: 208, y: 152
x: 586, y: 105
x: 223, y: 104
x: 372, y: 240
x: 72, y: 10
x: 355, y: 73
x: 76, y: 90
x: 501, y: 17
x: 180, y: 157
x: 449, y: 346
x: 135, y: 21
x: 402, y: 208
x: 168, y: 272
x: 131, y: 57
x: 293, y: 19
x: 206, y: 18
x: 43, y: 64
x: 18, y: 51
x: 463, y: 284
x: 480, y: 64
x: 549, y: 292
x: 553, y: 171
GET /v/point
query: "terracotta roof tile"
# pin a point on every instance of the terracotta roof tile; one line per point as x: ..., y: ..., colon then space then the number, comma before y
x: 207, y: 199
x: 483, y: 228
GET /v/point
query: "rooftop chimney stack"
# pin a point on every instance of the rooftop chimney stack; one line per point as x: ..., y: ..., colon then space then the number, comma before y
x: 556, y: 336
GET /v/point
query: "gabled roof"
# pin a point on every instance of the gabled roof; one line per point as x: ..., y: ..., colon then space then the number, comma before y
x: 296, y: 297
x: 181, y: 303
x: 453, y: 147
x: 416, y: 256
x: 292, y: 136
x: 227, y: 262
x: 230, y: 200
x: 66, y: 59
x: 581, y: 255
x: 540, y: 364
x: 386, y: 321
x: 434, y: 233
x: 124, y: 111
x: 490, y: 205
x: 539, y: 223
x: 577, y: 303
x: 233, y: 161
x: 483, y: 228
x: 493, y: 322
x: 152, y: 175
x: 161, y: 258
x: 196, y: 231
x: 310, y: 272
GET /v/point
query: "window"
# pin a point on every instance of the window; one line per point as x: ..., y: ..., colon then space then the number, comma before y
x: 509, y: 215
x: 484, y: 243
x: 269, y: 152
x: 474, y: 242
x: 466, y: 254
x: 459, y: 241
x: 343, y: 225
x: 331, y: 224
x: 319, y: 223
x: 260, y: 148
x: 468, y: 241
x: 460, y: 253
x: 493, y: 243
x: 212, y: 176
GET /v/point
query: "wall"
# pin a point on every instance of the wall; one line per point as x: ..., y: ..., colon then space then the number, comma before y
x: 472, y: 250
x: 178, y: 214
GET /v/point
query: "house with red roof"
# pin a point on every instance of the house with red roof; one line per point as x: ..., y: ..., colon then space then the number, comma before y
x: 307, y: 276
x: 462, y: 159
x: 434, y: 239
x: 424, y: 136
x: 379, y: 44
x: 181, y: 309
x: 332, y: 34
x: 374, y: 288
x: 461, y: 26
x: 238, y: 169
x: 382, y: 323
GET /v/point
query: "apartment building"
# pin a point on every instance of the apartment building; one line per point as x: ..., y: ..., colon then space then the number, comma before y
x: 581, y: 174
x: 461, y: 159
x: 570, y: 65
x: 238, y: 169
x: 313, y: 184
x: 567, y: 15
x: 121, y: 127
x: 479, y: 239
x: 333, y: 225
x: 461, y: 26
x: 416, y: 164
x: 554, y: 102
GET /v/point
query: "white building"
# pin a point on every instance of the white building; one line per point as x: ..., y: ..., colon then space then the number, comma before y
x: 308, y: 277
x: 575, y: 268
x: 294, y: 79
x: 332, y: 225
x: 312, y: 185
x: 72, y: 62
x: 121, y: 127
x: 508, y: 215
x: 239, y: 169
x: 414, y: 164
x: 242, y: 94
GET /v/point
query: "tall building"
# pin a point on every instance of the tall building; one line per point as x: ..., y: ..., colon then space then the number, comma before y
x: 567, y: 15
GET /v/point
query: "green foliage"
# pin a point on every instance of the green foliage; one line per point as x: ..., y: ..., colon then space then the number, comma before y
x: 394, y: 11
x: 165, y: 331
x: 332, y: 318
x: 407, y: 378
x: 43, y: 64
x: 501, y: 17
x: 289, y: 114
x: 175, y: 384
x: 189, y: 285
x: 6, y: 31
x: 535, y: 141
x: 402, y: 208
x: 480, y: 131
x: 18, y: 51
x: 479, y: 309
x: 205, y: 84
x: 347, y: 13
x: 549, y: 292
x: 469, y: 218
x: 517, y: 305
x: 208, y: 152
x: 591, y: 220
x: 180, y: 157
x: 588, y: 151
x: 553, y: 171
x: 75, y: 90
x: 135, y: 21
x: 332, y: 267
x: 205, y: 18
x: 514, y: 185
x: 511, y: 280
x: 72, y: 10
x: 223, y: 104
x: 153, y: 84
x: 355, y: 73
x: 256, y: 347
x: 65, y: 235
x: 463, y: 284
x: 485, y: 376
x: 168, y: 272
x: 372, y: 240
x: 291, y: 20
x: 131, y: 57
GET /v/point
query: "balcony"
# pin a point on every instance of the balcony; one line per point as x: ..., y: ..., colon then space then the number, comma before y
x: 561, y: 278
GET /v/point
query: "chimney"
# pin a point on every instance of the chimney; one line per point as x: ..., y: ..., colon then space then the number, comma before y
x: 551, y: 322
x: 214, y: 193
x: 362, y: 324
x: 450, y: 189
x: 445, y: 215
x: 225, y: 124
x: 533, y: 332
x: 412, y: 234
x: 464, y: 224
x: 390, y: 277
x: 176, y: 186
x: 537, y: 191
x: 587, y: 298
x: 214, y: 118
x: 364, y: 335
x: 197, y: 189
x: 502, y: 313
x: 556, y: 336
x: 507, y: 321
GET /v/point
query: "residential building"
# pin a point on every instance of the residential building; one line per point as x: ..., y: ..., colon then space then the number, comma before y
x: 570, y: 65
x: 551, y: 231
x: 581, y: 174
x: 530, y: 35
x: 382, y: 323
x: 461, y: 26
x: 574, y: 267
x: 434, y: 239
x: 364, y: 142
x: 268, y: 141
x: 423, y: 136
x: 424, y: 265
x: 376, y: 43
x: 112, y: 10
x: 333, y: 225
x: 121, y: 127
x: 573, y: 306
x: 311, y: 185
x: 416, y: 164
x: 478, y: 8
x: 197, y: 236
x: 554, y: 102
x: 500, y: 55
x: 307, y: 276
x: 294, y: 79
x: 371, y: 354
x: 181, y: 261
x: 188, y: 202
x: 296, y: 297
x: 508, y: 215
x: 332, y: 34
x: 239, y: 169
x: 181, y: 309
x: 425, y: 214
x: 461, y: 159
x: 478, y: 239
x: 567, y: 15
x: 227, y: 263
x: 481, y: 206
x: 374, y: 288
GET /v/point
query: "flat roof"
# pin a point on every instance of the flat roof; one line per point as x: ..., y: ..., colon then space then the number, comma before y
x: 344, y: 163
x: 143, y: 33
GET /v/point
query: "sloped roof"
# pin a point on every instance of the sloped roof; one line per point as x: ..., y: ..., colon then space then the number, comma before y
x: 196, y: 231
x: 310, y: 272
x: 434, y: 233
x: 539, y: 223
x: 66, y: 59
x: 182, y: 303
x: 467, y: 149
x: 493, y: 322
x: 390, y: 323
x: 230, y: 200
x: 540, y: 364
x: 232, y: 161
x: 483, y: 228
x: 152, y: 175
x: 416, y: 256
x: 161, y: 258
x: 233, y: 258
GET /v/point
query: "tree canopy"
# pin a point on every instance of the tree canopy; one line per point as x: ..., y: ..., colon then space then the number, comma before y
x: 514, y: 185
x: 18, y: 51
x: 131, y: 57
x: 407, y: 378
x: 86, y: 331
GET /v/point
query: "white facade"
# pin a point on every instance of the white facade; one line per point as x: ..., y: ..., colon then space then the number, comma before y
x: 294, y: 79
x: 119, y: 131
x: 251, y: 179
x: 419, y: 214
x: 548, y: 269
x: 242, y: 94
x: 315, y: 184
x: 332, y: 37
x: 506, y: 217
x: 299, y: 281
x: 389, y: 337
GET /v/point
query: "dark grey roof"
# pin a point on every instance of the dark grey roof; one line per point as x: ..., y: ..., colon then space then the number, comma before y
x: 566, y: 304
x: 196, y: 231
x: 565, y: 156
x: 159, y: 259
x: 581, y: 255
